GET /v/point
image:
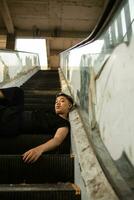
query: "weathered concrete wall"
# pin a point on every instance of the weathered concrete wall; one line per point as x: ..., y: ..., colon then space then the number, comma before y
x: 88, y: 173
x: 115, y: 99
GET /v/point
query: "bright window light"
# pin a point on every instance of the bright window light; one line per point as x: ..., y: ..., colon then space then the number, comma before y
x: 34, y: 46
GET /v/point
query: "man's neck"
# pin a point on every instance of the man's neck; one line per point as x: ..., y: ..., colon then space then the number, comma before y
x: 63, y: 116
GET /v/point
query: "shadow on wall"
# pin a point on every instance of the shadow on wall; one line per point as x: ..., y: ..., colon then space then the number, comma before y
x: 126, y: 168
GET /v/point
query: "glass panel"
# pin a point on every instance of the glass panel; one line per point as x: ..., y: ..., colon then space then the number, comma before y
x: 111, y: 53
x: 78, y: 61
x: 15, y: 63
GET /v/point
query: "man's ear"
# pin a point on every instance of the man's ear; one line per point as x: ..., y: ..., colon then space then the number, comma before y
x: 70, y: 106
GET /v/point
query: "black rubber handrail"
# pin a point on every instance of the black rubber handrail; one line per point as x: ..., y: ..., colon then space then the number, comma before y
x: 108, y: 11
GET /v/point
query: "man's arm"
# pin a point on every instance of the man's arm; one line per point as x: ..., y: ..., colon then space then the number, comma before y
x: 33, y: 154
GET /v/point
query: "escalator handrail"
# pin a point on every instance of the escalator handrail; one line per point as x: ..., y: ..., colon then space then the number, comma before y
x: 108, y: 11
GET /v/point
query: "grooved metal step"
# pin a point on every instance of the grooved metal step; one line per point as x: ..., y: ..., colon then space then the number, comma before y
x: 45, y: 99
x: 60, y: 191
x: 21, y: 143
x: 48, y: 168
x: 45, y: 83
x: 43, y: 80
x: 41, y: 88
x: 36, y: 106
x: 40, y: 92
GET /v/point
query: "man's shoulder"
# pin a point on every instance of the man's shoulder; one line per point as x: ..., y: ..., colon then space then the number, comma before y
x: 62, y: 121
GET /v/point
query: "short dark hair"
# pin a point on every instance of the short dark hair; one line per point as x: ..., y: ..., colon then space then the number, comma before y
x: 70, y: 99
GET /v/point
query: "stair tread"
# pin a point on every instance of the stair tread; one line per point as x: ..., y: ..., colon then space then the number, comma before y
x: 44, y: 156
x: 20, y: 143
x: 37, y: 187
x: 41, y: 91
x: 46, y: 169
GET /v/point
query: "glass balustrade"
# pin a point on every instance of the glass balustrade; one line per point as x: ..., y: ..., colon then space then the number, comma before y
x: 14, y: 64
x: 101, y: 79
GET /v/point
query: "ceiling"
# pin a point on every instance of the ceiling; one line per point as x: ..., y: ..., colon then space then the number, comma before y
x: 64, y: 22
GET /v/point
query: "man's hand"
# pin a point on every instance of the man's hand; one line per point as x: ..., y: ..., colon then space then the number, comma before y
x: 32, y: 155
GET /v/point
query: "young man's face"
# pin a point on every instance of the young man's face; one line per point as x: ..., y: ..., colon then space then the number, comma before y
x: 62, y: 105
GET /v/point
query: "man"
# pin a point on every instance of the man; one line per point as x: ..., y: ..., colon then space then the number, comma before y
x: 56, y: 124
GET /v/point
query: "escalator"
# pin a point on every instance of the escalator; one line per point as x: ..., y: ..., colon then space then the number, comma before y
x: 52, y: 176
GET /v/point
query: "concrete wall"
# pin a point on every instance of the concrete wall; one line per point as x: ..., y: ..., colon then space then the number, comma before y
x: 115, y: 99
x: 88, y: 173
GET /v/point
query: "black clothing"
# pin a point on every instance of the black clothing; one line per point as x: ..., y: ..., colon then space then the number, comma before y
x: 14, y: 96
x: 14, y: 120
x: 45, y: 121
x: 11, y: 109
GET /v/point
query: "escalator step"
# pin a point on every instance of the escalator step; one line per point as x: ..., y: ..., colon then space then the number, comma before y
x: 42, y: 88
x: 29, y: 107
x: 39, y: 100
x: 43, y: 80
x: 21, y: 143
x: 42, y: 84
x: 61, y: 191
x: 40, y: 92
x: 48, y: 168
x: 36, y: 106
